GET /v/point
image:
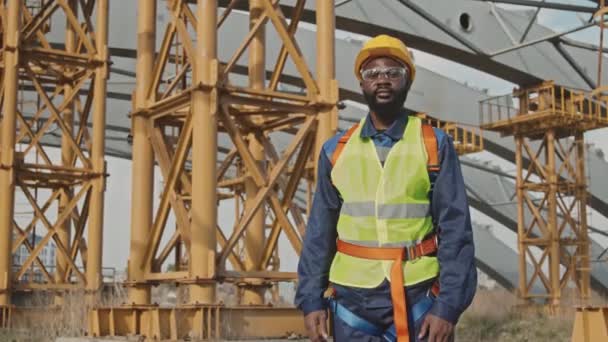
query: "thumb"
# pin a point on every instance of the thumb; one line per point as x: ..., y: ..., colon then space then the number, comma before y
x: 424, y: 329
x: 323, y: 325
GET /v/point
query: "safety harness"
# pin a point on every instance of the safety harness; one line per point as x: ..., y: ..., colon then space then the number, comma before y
x: 400, y: 331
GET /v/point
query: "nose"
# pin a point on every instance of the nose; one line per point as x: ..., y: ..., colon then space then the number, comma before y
x: 383, y: 75
x: 383, y: 79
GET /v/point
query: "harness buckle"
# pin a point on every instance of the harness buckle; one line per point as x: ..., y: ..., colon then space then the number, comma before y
x: 412, y: 256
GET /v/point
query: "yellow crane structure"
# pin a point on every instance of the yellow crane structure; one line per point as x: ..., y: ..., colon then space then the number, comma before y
x: 64, y: 194
x: 591, y: 322
x: 548, y: 123
x: 548, y: 126
x: 178, y: 123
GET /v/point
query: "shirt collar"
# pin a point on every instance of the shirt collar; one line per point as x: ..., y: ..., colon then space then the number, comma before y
x: 395, y: 131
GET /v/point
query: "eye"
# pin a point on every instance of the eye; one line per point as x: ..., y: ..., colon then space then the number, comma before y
x: 394, y: 72
x: 370, y: 74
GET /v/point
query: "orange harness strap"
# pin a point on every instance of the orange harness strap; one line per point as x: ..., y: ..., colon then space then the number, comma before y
x: 341, y: 143
x: 398, y: 255
x: 430, y: 143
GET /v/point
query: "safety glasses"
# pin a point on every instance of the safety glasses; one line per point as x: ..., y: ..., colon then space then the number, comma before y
x: 392, y: 73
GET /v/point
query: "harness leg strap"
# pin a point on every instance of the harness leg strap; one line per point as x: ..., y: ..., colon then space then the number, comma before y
x: 399, y: 299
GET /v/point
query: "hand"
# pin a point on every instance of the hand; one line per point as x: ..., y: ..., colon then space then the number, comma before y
x: 316, y: 325
x: 438, y: 329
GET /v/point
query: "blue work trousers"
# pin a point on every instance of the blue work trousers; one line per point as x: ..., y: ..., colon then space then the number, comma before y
x: 375, y: 306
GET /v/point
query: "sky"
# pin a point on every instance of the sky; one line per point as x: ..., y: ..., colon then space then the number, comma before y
x: 117, y: 208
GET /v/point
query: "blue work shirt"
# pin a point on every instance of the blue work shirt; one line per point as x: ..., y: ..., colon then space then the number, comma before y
x: 449, y: 210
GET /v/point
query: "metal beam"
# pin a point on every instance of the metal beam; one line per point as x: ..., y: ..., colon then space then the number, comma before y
x: 7, y: 144
x: 551, y: 37
x: 586, y: 46
x: 550, y: 5
x: 98, y: 163
x: 142, y: 183
x: 326, y: 72
x: 254, y: 239
x: 430, y: 18
x: 502, y: 23
x: 204, y: 156
x: 530, y: 24
x: 574, y: 64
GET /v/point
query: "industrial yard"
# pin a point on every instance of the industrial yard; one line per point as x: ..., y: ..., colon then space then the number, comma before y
x: 159, y: 159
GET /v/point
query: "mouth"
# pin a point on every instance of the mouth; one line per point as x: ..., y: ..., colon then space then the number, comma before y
x: 384, y: 94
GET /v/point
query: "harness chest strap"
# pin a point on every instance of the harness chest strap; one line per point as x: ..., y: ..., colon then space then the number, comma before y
x: 398, y: 255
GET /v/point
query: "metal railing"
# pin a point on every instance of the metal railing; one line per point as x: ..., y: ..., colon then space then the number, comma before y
x: 497, y: 108
x: 467, y: 138
x: 546, y: 99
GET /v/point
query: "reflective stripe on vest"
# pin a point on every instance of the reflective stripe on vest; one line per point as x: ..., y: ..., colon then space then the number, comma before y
x: 383, y: 206
x: 386, y: 211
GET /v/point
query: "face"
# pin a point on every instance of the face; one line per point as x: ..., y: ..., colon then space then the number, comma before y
x: 385, y: 94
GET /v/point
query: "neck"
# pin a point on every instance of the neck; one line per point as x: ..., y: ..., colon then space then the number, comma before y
x: 383, y: 121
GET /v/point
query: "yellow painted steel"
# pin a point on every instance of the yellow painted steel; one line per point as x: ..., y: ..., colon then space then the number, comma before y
x: 590, y: 324
x: 583, y: 269
x: 7, y: 145
x: 95, y: 232
x: 216, y: 323
x: 600, y: 17
x: 142, y: 180
x: 76, y: 181
x: 326, y: 71
x: 255, y: 235
x: 67, y: 155
x: 557, y: 116
x: 204, y: 155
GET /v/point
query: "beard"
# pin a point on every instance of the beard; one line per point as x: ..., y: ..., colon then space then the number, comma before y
x: 386, y: 109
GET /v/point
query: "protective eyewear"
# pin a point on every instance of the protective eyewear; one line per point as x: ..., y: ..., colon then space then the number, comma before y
x: 392, y: 73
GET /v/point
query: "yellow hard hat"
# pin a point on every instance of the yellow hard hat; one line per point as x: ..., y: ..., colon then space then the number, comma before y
x: 385, y: 46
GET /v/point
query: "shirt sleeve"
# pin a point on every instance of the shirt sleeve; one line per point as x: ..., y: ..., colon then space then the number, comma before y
x: 456, y: 254
x: 319, y: 242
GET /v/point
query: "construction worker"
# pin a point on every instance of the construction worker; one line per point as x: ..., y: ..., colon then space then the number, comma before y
x: 390, y: 227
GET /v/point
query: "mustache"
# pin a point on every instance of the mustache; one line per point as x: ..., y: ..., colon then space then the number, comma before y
x: 380, y: 87
x: 384, y: 90
x: 395, y: 105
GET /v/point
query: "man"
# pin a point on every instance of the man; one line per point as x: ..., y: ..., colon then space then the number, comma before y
x: 390, y: 225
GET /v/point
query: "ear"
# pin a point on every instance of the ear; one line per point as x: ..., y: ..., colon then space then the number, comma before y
x: 408, y: 84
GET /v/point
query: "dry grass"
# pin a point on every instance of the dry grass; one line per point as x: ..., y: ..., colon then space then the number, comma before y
x: 67, y: 320
x: 494, y: 316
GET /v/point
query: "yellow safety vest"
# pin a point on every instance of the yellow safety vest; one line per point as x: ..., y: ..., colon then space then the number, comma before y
x: 383, y: 207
